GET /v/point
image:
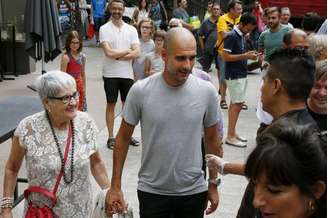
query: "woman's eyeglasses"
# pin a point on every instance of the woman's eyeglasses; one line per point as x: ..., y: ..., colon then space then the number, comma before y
x: 146, y: 27
x: 173, y: 25
x: 66, y: 98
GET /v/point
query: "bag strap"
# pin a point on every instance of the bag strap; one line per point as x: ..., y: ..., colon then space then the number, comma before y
x: 61, y: 173
x: 40, y: 190
x: 44, y: 191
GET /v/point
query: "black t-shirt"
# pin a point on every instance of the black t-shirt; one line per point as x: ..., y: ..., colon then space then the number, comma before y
x: 320, y: 119
x: 209, y: 32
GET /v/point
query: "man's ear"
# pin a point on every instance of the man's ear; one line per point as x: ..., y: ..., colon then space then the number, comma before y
x: 318, y: 189
x: 277, y: 86
x: 164, y: 54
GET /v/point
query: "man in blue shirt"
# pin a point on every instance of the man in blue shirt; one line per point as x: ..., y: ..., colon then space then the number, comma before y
x: 235, y: 55
x: 98, y: 8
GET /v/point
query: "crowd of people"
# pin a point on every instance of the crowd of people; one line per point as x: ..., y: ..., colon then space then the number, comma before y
x: 150, y: 63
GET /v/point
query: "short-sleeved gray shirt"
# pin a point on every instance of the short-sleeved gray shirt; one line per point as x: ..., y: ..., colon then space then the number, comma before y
x: 172, y: 119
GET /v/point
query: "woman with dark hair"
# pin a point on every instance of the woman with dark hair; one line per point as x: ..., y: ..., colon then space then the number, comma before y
x: 288, y: 170
x: 290, y: 160
x: 141, y: 12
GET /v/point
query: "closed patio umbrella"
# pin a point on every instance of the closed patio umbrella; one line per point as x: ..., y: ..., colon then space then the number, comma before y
x: 42, y: 30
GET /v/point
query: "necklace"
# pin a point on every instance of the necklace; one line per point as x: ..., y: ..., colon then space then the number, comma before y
x: 66, y: 180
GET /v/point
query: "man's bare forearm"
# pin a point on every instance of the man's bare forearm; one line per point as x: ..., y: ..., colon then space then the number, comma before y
x: 120, y: 152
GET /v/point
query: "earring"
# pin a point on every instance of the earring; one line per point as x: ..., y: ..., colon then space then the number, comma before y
x: 311, y: 207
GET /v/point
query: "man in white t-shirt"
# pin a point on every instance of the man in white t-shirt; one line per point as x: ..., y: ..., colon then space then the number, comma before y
x: 121, y: 45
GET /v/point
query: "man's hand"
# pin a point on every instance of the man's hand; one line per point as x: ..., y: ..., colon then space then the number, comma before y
x: 251, y: 55
x: 213, y: 198
x: 115, y: 202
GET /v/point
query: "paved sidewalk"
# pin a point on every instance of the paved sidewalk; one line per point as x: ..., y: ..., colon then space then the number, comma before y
x: 232, y: 187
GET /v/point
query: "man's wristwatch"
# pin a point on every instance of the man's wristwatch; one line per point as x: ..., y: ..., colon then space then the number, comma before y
x: 216, y: 181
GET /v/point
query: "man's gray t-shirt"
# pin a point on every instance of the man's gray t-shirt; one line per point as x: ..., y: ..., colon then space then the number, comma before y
x: 172, y: 120
x: 271, y: 42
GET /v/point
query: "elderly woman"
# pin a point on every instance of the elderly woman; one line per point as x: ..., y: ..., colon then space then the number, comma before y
x: 318, y: 46
x: 42, y: 138
x: 288, y: 170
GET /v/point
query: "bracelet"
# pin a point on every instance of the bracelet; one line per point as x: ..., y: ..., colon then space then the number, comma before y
x: 8, y: 205
x: 7, y: 202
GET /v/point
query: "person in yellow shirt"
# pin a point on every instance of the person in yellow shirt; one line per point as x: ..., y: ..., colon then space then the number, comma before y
x: 224, y: 25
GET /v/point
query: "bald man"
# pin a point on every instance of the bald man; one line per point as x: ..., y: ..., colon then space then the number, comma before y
x: 296, y: 38
x: 173, y: 108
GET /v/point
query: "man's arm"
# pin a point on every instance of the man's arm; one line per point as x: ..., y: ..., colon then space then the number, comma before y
x: 133, y: 54
x: 201, y: 35
x: 229, y: 44
x: 120, y: 151
x: 114, y: 198
x: 187, y: 25
x: 201, y: 42
x: 212, y: 142
x: 227, y: 56
x: 114, y: 53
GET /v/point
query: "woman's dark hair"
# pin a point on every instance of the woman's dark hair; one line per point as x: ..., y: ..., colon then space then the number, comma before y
x: 72, y: 35
x: 290, y: 154
x: 140, y: 5
x: 311, y: 21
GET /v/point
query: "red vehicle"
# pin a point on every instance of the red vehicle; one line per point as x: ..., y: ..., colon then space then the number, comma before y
x: 299, y: 7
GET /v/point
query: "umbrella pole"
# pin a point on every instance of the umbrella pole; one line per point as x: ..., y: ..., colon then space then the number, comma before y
x: 43, y: 71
